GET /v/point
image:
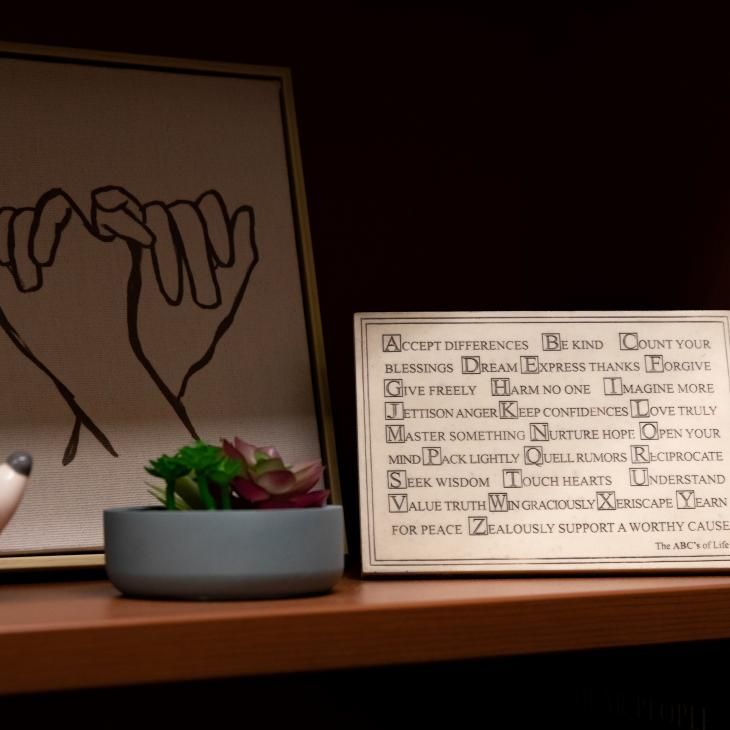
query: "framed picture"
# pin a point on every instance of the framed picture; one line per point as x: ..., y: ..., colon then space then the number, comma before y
x: 156, y: 281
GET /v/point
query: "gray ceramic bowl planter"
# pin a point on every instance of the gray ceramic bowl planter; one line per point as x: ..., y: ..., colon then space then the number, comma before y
x: 217, y: 555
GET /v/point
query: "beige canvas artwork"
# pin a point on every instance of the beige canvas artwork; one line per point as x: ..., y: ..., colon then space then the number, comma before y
x: 150, y: 285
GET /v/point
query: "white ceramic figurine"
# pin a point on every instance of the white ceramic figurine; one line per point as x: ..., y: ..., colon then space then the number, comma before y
x: 14, y: 475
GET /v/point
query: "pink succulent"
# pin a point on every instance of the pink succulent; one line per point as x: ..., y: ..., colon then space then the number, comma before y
x: 266, y: 483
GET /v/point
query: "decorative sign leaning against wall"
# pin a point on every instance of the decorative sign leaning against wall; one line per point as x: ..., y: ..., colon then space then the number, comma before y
x: 156, y: 280
x: 534, y: 441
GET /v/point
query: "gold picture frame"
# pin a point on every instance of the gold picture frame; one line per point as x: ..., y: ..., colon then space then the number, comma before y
x: 105, y: 80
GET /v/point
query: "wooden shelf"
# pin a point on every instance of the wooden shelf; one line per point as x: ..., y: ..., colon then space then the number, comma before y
x: 83, y: 634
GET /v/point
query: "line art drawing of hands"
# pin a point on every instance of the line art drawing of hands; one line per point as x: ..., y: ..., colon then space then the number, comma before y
x: 183, y: 247
x: 194, y: 257
x: 29, y: 245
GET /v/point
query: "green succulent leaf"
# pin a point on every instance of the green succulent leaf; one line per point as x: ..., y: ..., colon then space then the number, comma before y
x: 166, y: 467
x: 200, y: 457
x: 223, y: 472
x: 189, y: 473
x: 160, y: 494
x: 187, y: 490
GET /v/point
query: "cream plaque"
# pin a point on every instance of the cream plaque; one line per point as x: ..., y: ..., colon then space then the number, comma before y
x: 543, y: 441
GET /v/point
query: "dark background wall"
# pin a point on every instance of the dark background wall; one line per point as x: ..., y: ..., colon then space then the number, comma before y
x: 573, y: 157
x: 566, y: 158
